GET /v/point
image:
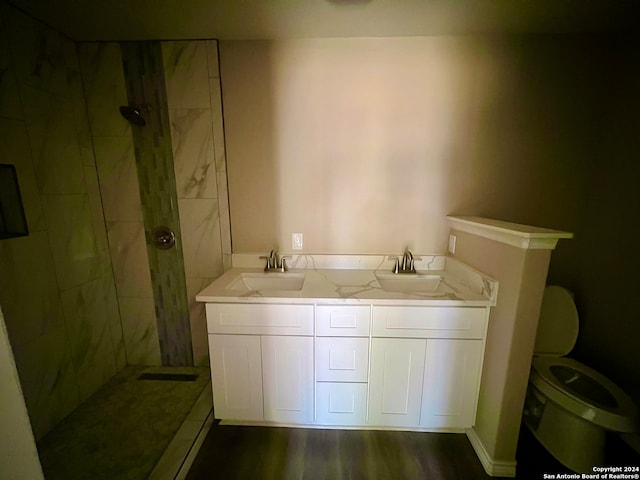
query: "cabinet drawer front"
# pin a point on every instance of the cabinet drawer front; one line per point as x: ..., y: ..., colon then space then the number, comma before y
x: 341, y: 321
x: 341, y: 403
x: 429, y: 322
x: 260, y: 319
x: 342, y: 359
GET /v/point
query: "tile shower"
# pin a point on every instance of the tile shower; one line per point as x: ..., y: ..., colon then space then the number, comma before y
x: 77, y: 291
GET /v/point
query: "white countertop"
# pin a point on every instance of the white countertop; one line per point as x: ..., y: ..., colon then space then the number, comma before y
x: 461, y: 286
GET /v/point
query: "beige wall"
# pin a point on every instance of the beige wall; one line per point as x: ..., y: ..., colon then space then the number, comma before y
x: 364, y: 145
x: 605, y: 251
x: 510, y: 336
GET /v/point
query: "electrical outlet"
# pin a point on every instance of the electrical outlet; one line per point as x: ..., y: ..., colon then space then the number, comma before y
x: 296, y: 241
x: 452, y: 244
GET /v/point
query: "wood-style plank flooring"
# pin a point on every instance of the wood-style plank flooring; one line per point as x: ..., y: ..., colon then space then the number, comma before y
x: 274, y: 453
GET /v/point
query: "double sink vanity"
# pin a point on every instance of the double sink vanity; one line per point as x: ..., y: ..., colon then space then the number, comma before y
x: 345, y: 341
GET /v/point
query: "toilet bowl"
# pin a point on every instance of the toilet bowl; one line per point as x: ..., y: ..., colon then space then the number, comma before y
x: 569, y: 407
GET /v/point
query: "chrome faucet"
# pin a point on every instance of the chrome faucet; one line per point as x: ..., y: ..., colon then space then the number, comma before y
x: 275, y: 263
x: 283, y: 263
x: 406, y: 265
x: 272, y: 261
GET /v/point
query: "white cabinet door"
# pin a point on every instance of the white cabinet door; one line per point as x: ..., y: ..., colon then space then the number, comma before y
x: 451, y: 378
x: 236, y: 374
x: 395, y: 384
x: 287, y: 364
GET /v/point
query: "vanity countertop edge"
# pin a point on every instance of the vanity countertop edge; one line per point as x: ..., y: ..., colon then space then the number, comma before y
x: 463, y: 287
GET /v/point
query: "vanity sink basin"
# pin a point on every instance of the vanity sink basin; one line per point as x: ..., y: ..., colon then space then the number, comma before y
x: 409, y: 283
x: 268, y: 281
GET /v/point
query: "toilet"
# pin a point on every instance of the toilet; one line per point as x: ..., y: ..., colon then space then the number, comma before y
x: 569, y: 407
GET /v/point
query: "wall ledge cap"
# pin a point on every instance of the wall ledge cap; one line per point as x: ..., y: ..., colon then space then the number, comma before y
x: 521, y: 236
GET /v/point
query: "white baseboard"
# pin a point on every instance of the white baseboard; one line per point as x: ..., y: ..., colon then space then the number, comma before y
x: 256, y: 423
x: 493, y: 467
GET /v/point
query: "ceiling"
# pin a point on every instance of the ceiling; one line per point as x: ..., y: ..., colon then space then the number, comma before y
x: 88, y: 20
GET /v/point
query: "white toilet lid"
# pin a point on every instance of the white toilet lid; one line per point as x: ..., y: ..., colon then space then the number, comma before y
x: 558, y: 325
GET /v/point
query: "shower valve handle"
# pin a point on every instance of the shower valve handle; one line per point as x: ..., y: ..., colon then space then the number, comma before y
x: 163, y: 238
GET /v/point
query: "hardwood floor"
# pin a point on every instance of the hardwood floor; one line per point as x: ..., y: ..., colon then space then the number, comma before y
x: 275, y: 453
x: 263, y: 453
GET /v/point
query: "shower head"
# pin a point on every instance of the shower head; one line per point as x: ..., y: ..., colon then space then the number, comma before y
x: 133, y: 114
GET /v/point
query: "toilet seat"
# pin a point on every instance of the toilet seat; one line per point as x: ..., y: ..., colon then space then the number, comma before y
x: 620, y: 416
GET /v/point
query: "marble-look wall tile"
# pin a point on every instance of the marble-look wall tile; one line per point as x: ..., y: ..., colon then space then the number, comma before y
x: 212, y: 58
x: 223, y: 208
x: 140, y: 331
x: 38, y: 54
x: 193, y: 156
x: 44, y: 131
x: 125, y: 277
x: 89, y: 336
x: 83, y: 129
x: 105, y: 90
x: 70, y: 54
x: 118, y: 176
x: 221, y: 161
x: 54, y: 144
x: 198, y: 321
x: 197, y: 162
x: 48, y: 378
x: 201, y: 237
x: 112, y: 309
x: 95, y: 204
x: 9, y: 98
x: 14, y: 149
x: 218, y: 127
x: 28, y: 287
x: 72, y: 239
x: 129, y: 257
x: 186, y: 73
x: 143, y: 64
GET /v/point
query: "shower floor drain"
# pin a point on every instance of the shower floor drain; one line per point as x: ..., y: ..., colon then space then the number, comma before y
x: 169, y: 377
